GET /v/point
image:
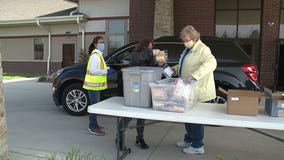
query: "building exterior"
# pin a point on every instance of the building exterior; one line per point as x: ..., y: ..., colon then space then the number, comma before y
x: 257, y: 25
x: 25, y: 33
x: 55, y: 35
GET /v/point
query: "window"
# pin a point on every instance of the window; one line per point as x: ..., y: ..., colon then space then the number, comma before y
x: 38, y: 49
x: 227, y: 51
x: 249, y: 24
x: 238, y: 18
x: 226, y: 26
x: 282, y: 20
x: 117, y: 34
x: 122, y: 57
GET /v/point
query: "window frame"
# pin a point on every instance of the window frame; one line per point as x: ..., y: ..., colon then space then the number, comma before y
x: 281, y: 32
x: 238, y: 10
x: 108, y: 34
x: 38, y: 54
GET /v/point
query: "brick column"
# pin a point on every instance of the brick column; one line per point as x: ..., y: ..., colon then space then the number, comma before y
x: 269, y: 35
x: 200, y: 14
x: 3, y: 121
x: 141, y: 19
x: 164, y: 18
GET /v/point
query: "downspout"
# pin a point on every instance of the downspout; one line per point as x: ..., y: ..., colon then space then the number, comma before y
x: 49, y: 45
x: 76, y: 10
x: 83, y: 33
x: 80, y: 27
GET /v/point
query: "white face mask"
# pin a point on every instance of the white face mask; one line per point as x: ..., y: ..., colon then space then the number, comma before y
x: 189, y: 44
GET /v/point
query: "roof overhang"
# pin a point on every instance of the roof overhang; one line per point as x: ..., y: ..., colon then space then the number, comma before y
x: 72, y: 19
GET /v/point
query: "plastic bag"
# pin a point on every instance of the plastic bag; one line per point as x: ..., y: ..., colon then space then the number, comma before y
x: 180, y: 91
x: 183, y: 90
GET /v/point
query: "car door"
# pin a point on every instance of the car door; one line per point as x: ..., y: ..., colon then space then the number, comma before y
x: 117, y: 61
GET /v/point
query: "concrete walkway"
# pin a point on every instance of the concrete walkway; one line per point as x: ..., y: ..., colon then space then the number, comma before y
x: 21, y: 80
x: 36, y: 127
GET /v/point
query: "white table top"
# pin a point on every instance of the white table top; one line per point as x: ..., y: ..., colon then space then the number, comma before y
x: 201, y: 113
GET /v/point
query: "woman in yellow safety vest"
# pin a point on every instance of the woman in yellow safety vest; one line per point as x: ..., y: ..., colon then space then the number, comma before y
x: 95, y: 80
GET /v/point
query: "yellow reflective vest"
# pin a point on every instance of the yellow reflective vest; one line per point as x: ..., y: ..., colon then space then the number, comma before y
x: 94, y: 81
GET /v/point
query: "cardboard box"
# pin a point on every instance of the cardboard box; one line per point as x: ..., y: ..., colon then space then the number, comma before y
x: 242, y: 102
x: 274, y: 103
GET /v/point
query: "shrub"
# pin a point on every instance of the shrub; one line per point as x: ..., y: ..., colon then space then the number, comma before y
x: 83, y: 57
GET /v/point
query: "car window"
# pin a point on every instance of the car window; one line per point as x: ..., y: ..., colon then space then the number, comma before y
x: 122, y: 57
x: 174, y: 49
x: 227, y: 51
x: 223, y: 51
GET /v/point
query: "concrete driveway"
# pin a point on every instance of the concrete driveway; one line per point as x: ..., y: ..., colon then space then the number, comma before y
x: 36, y: 127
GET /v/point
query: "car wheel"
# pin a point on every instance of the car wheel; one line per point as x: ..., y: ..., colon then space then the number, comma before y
x: 75, y: 100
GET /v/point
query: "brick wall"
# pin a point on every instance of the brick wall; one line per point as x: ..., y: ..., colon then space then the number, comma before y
x: 200, y: 14
x: 29, y: 67
x: 268, y: 42
x: 3, y: 121
x: 141, y: 20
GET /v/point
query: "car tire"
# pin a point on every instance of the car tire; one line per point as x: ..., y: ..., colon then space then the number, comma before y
x: 75, y: 100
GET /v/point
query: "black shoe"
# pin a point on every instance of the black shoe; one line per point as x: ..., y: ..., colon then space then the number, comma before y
x: 141, y: 143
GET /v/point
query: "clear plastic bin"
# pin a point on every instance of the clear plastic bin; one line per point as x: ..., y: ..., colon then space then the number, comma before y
x: 167, y: 95
x: 136, y: 87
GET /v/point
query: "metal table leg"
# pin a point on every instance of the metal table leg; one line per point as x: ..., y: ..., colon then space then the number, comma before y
x: 125, y: 151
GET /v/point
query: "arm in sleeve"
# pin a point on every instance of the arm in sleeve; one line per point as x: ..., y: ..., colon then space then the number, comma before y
x: 208, y: 64
x: 94, y: 66
x: 151, y: 59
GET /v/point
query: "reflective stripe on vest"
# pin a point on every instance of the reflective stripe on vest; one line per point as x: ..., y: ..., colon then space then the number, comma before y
x: 93, y: 81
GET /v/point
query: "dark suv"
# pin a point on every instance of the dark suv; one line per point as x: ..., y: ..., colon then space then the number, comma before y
x: 234, y: 71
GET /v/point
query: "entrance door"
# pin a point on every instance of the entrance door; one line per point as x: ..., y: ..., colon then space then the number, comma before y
x: 68, y: 54
x: 281, y: 67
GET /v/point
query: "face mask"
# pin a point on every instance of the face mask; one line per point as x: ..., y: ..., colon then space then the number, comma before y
x: 101, y: 47
x: 189, y: 44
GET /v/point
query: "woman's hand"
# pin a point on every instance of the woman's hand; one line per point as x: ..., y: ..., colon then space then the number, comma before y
x: 190, y: 78
x: 160, y: 57
x: 156, y: 52
x: 174, y: 70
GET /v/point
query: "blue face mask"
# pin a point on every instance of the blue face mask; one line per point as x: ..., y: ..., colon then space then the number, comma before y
x: 101, y: 47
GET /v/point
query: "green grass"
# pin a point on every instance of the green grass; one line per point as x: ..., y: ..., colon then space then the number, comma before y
x: 74, y: 154
x: 11, y: 76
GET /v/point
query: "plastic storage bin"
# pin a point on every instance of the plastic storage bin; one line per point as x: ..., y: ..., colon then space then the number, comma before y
x: 136, y: 87
x: 173, y: 95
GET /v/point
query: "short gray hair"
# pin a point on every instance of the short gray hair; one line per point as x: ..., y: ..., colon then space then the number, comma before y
x: 191, y: 31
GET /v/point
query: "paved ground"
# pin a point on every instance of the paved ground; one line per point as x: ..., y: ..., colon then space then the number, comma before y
x: 36, y: 127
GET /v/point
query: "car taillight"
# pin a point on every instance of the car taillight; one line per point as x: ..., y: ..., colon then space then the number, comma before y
x: 250, y: 71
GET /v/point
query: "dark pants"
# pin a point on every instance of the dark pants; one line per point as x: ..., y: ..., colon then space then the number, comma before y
x: 195, y: 133
x: 94, y: 97
x: 140, y: 129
